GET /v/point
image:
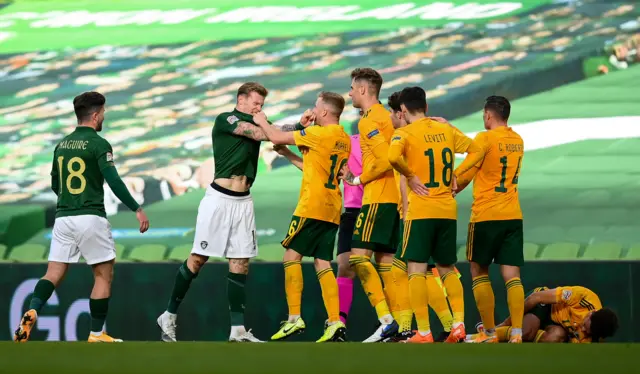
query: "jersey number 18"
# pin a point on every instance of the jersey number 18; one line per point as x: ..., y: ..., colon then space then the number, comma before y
x: 73, y: 173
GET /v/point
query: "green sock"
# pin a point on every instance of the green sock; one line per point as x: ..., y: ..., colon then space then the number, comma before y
x: 180, y: 287
x: 235, y: 293
x: 98, y: 309
x: 42, y: 293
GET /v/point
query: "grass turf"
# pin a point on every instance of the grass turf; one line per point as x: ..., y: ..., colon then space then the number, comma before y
x: 203, y: 357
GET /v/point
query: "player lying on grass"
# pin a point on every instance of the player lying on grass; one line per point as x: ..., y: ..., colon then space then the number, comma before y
x: 312, y: 232
x: 82, y: 162
x: 563, y: 314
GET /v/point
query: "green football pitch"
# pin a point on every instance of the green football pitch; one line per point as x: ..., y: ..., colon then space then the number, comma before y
x: 282, y: 358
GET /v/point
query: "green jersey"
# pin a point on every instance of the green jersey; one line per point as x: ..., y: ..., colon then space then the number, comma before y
x: 234, y: 155
x: 78, y: 162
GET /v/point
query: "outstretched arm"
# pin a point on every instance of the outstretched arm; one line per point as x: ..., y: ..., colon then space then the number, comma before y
x: 284, y: 151
x: 272, y: 133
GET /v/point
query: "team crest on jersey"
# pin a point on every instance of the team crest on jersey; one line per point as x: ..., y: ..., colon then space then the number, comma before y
x: 109, y: 157
x: 396, y: 138
x: 373, y: 133
x: 566, y: 295
x: 232, y: 119
x: 203, y: 244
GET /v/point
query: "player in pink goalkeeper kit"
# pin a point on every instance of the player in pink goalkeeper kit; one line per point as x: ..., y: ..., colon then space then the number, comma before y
x: 352, y: 205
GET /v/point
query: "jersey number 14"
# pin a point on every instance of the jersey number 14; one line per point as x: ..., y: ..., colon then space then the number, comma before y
x: 332, y: 183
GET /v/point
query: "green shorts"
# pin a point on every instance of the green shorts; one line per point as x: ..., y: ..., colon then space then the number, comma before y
x: 542, y: 311
x: 311, y: 237
x: 377, y: 228
x: 399, y: 253
x: 496, y: 241
x: 430, y: 238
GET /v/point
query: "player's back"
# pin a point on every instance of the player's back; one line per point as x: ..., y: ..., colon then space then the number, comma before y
x: 234, y: 155
x: 572, y: 306
x: 327, y: 152
x: 495, y: 186
x: 430, y: 149
x: 80, y: 177
x: 376, y: 126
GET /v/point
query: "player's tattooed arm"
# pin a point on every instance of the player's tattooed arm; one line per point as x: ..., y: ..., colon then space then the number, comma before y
x: 250, y: 131
x: 289, y: 128
x: 239, y: 265
x: 307, y: 118
x: 271, y: 132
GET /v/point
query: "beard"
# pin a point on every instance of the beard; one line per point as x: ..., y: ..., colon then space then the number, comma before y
x: 99, y: 126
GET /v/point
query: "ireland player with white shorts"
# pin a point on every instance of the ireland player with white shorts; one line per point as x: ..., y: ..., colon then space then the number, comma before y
x: 225, y: 226
x: 82, y: 162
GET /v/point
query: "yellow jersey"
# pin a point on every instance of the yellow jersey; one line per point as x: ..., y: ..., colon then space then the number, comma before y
x: 325, y: 150
x: 495, y: 185
x: 376, y: 129
x: 428, y: 148
x: 573, y: 304
x: 398, y: 179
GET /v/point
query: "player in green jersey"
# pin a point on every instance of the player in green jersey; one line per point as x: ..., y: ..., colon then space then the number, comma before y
x: 82, y: 162
x: 225, y: 226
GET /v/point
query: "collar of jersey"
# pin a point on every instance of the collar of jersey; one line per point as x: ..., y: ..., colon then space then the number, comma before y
x: 84, y: 128
x: 243, y: 116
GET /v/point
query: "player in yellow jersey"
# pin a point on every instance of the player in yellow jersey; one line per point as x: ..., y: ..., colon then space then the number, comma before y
x: 563, y: 314
x: 437, y: 293
x: 376, y: 228
x: 312, y: 232
x: 423, y: 151
x: 495, y: 231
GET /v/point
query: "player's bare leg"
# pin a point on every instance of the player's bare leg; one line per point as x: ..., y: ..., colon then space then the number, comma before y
x: 553, y: 334
x: 293, y: 285
x: 456, y: 299
x: 236, y: 279
x: 99, y: 302
x: 515, y: 300
x: 360, y: 259
x: 486, y: 303
x: 186, y: 273
x: 335, y: 330
x: 346, y: 275
x: 43, y: 290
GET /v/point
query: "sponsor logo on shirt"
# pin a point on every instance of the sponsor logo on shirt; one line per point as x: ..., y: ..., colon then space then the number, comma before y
x: 373, y: 133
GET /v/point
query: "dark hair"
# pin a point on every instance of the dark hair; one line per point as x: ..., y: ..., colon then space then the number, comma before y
x: 371, y: 76
x: 87, y: 103
x: 394, y: 101
x: 250, y: 87
x: 334, y: 100
x: 499, y: 105
x: 604, y: 323
x: 414, y: 99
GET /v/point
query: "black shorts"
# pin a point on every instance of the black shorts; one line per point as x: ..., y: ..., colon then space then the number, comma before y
x: 345, y: 233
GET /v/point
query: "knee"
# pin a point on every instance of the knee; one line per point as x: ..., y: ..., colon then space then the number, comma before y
x: 554, y: 334
x: 104, y: 272
x: 55, y: 272
x: 196, y: 262
x: 345, y: 271
x: 509, y: 272
x: 478, y: 270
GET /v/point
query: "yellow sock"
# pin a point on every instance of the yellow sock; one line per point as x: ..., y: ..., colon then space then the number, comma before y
x: 539, y: 335
x: 403, y: 303
x: 438, y: 301
x: 370, y: 283
x: 503, y: 333
x: 293, y: 286
x: 389, y: 288
x: 485, y: 301
x: 329, y: 287
x: 456, y: 295
x: 515, y: 300
x: 419, y: 295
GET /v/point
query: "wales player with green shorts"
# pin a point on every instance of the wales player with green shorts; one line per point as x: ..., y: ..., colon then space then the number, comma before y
x: 82, y: 162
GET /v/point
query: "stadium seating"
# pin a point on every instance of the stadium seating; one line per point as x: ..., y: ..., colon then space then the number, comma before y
x: 530, y: 251
x: 179, y: 253
x: 634, y: 253
x: 3, y: 252
x: 148, y: 253
x: 560, y: 252
x: 602, y: 251
x: 27, y: 253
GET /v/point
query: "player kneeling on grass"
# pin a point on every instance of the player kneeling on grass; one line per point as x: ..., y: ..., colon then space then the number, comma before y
x: 563, y: 314
x: 82, y: 161
x: 312, y: 233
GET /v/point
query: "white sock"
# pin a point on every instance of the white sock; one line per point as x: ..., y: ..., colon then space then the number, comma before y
x: 237, y: 330
x: 425, y: 333
x: 458, y: 324
x: 515, y: 332
x: 96, y: 333
x: 386, y: 319
x: 293, y: 317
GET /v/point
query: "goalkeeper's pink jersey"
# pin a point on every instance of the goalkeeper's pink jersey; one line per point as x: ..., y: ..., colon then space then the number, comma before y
x: 353, y: 194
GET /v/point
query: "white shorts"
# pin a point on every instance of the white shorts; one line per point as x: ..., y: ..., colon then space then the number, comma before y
x: 225, y: 227
x: 87, y: 235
